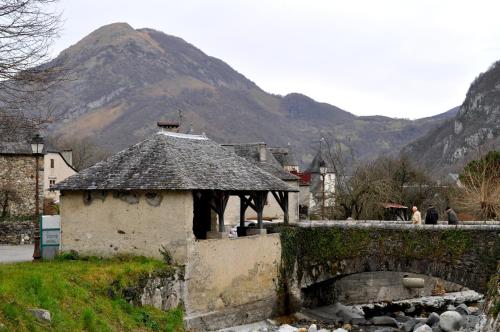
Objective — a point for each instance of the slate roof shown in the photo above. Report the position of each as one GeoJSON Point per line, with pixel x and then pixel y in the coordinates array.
{"type": "Point", "coordinates": [18, 147]}
{"type": "Point", "coordinates": [251, 152]}
{"type": "Point", "coordinates": [23, 147]}
{"type": "Point", "coordinates": [284, 156]}
{"type": "Point", "coordinates": [170, 161]}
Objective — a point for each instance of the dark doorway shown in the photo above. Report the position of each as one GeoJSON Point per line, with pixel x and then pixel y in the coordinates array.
{"type": "Point", "coordinates": [201, 215]}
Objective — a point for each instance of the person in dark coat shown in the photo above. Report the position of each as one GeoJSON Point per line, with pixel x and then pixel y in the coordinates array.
{"type": "Point", "coordinates": [431, 216]}
{"type": "Point", "coordinates": [452, 216]}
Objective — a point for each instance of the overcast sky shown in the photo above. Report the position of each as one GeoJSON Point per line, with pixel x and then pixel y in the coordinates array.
{"type": "Point", "coordinates": [406, 59]}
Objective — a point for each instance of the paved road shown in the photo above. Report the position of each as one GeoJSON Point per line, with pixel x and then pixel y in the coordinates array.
{"type": "Point", "coordinates": [21, 253]}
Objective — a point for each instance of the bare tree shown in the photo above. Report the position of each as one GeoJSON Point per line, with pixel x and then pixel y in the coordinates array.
{"type": "Point", "coordinates": [480, 192]}
{"type": "Point", "coordinates": [27, 29]}
{"type": "Point", "coordinates": [86, 151]}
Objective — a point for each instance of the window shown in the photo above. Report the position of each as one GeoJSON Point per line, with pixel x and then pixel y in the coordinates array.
{"type": "Point", "coordinates": [51, 163]}
{"type": "Point", "coordinates": [52, 182]}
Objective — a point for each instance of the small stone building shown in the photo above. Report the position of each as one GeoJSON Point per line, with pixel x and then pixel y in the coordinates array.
{"type": "Point", "coordinates": [169, 193]}
{"type": "Point", "coordinates": [162, 192]}
{"type": "Point", "coordinates": [263, 157]}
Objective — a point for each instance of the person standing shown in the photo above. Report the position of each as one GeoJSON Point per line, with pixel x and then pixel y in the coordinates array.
{"type": "Point", "coordinates": [416, 218]}
{"type": "Point", "coordinates": [431, 215]}
{"type": "Point", "coordinates": [452, 216]}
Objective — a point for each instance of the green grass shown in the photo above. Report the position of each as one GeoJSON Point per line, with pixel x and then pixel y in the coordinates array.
{"type": "Point", "coordinates": [80, 296]}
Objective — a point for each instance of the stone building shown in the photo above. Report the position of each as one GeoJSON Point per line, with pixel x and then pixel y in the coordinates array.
{"type": "Point", "coordinates": [17, 175]}
{"type": "Point", "coordinates": [17, 179]}
{"type": "Point", "coordinates": [163, 194]}
{"type": "Point", "coordinates": [263, 157]}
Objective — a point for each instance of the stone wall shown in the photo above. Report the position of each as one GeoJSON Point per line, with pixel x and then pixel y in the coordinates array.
{"type": "Point", "coordinates": [231, 281]}
{"type": "Point", "coordinates": [17, 174]}
{"type": "Point", "coordinates": [313, 253]}
{"type": "Point", "coordinates": [137, 223]}
{"type": "Point", "coordinates": [16, 232]}
{"type": "Point", "coordinates": [160, 289]}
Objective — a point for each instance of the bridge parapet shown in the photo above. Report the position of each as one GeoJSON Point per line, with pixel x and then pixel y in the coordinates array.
{"type": "Point", "coordinates": [329, 223]}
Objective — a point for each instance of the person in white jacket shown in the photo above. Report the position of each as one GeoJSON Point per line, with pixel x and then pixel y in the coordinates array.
{"type": "Point", "coordinates": [416, 218]}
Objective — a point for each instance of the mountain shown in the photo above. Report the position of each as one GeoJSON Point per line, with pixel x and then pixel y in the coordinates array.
{"type": "Point", "coordinates": [473, 131]}
{"type": "Point", "coordinates": [121, 81]}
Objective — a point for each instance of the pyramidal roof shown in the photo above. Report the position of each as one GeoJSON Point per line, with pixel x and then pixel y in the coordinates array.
{"type": "Point", "coordinates": [171, 161]}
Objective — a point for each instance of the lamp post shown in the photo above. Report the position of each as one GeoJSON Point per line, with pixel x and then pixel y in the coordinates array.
{"type": "Point", "coordinates": [322, 170]}
{"type": "Point", "coordinates": [37, 148]}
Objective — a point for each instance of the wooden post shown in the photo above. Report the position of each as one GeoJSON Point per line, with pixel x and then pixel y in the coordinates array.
{"type": "Point", "coordinates": [218, 203]}
{"type": "Point", "coordinates": [282, 199]}
{"type": "Point", "coordinates": [259, 204]}
{"type": "Point", "coordinates": [243, 208]}
{"type": "Point", "coordinates": [285, 207]}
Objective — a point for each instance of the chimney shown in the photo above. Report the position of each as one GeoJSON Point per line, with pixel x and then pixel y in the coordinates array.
{"type": "Point", "coordinates": [169, 126]}
{"type": "Point", "coordinates": [68, 156]}
{"type": "Point", "coordinates": [262, 152]}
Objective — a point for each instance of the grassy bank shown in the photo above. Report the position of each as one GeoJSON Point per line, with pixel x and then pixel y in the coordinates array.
{"type": "Point", "coordinates": [77, 294]}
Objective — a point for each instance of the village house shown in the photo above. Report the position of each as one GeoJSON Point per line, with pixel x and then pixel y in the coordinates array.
{"type": "Point", "coordinates": [163, 195]}
{"type": "Point", "coordinates": [263, 157]}
{"type": "Point", "coordinates": [322, 185]}
{"type": "Point", "coordinates": [57, 165]}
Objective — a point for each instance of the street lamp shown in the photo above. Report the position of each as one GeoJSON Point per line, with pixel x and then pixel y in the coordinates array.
{"type": "Point", "coordinates": [37, 149]}
{"type": "Point", "coordinates": [323, 170]}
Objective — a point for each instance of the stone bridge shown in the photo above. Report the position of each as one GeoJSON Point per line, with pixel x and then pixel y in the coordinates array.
{"type": "Point", "coordinates": [316, 252]}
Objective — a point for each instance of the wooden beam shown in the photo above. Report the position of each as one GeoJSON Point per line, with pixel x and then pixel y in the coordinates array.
{"type": "Point", "coordinates": [259, 199]}
{"type": "Point", "coordinates": [243, 208]}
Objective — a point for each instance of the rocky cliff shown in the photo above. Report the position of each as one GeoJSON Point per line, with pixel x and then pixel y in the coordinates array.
{"type": "Point", "coordinates": [472, 132]}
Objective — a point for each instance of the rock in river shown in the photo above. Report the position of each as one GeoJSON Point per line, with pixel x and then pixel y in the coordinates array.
{"type": "Point", "coordinates": [384, 320]}
{"type": "Point", "coordinates": [451, 321]}
{"type": "Point", "coordinates": [423, 328]}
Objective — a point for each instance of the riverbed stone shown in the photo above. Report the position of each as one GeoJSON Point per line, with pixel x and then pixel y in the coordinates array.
{"type": "Point", "coordinates": [423, 328]}
{"type": "Point", "coordinates": [408, 326]}
{"type": "Point", "coordinates": [436, 328]}
{"type": "Point", "coordinates": [463, 309]}
{"type": "Point", "coordinates": [418, 325]}
{"type": "Point", "coordinates": [346, 313]}
{"type": "Point", "coordinates": [451, 321]}
{"type": "Point", "coordinates": [312, 328]}
{"type": "Point", "coordinates": [287, 328]}
{"type": "Point", "coordinates": [432, 319]}
{"type": "Point", "coordinates": [450, 307]}
{"type": "Point", "coordinates": [340, 330]}
{"type": "Point", "coordinates": [384, 320]}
